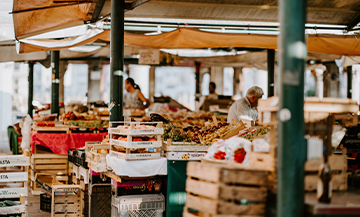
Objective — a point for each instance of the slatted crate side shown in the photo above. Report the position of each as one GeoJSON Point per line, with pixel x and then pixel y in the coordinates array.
{"type": "Point", "coordinates": [214, 207]}
{"type": "Point", "coordinates": [226, 174]}
{"type": "Point", "coordinates": [66, 204]}
{"type": "Point", "coordinates": [14, 160]}
{"type": "Point", "coordinates": [7, 192]}
{"type": "Point", "coordinates": [193, 213]}
{"type": "Point", "coordinates": [339, 182]}
{"type": "Point", "coordinates": [226, 192]}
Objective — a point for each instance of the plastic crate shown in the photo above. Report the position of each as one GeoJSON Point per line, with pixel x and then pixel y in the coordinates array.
{"type": "Point", "coordinates": [136, 187]}
{"type": "Point", "coordinates": [100, 200]}
{"type": "Point", "coordinates": [45, 202]}
{"type": "Point", "coordinates": [97, 178]}
{"type": "Point", "coordinates": [71, 157]}
{"type": "Point", "coordinates": [148, 205]}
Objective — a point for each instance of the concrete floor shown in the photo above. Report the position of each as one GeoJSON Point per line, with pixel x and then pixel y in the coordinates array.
{"type": "Point", "coordinates": [34, 207]}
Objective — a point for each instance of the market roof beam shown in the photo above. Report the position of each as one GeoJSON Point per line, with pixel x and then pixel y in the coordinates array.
{"type": "Point", "coordinates": [353, 23]}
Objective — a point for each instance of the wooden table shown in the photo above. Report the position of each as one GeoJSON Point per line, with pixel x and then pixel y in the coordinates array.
{"type": "Point", "coordinates": [342, 203]}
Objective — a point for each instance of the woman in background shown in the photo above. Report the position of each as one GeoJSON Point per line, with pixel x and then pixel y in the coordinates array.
{"type": "Point", "coordinates": [136, 99]}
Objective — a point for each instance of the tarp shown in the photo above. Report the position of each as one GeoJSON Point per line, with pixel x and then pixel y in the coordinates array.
{"type": "Point", "coordinates": [8, 53]}
{"type": "Point", "coordinates": [194, 38]}
{"type": "Point", "coordinates": [36, 17]}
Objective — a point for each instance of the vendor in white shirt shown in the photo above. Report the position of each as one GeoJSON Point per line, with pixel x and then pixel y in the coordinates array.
{"type": "Point", "coordinates": [212, 93]}
{"type": "Point", "coordinates": [246, 106]}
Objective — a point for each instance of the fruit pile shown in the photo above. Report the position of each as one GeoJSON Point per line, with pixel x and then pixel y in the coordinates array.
{"type": "Point", "coordinates": [208, 133]}
{"type": "Point", "coordinates": [220, 155]}
{"type": "Point", "coordinates": [254, 132]}
{"type": "Point", "coordinates": [239, 155]}
{"type": "Point", "coordinates": [135, 139]}
{"type": "Point", "coordinates": [70, 116]}
{"type": "Point", "coordinates": [45, 124]}
{"type": "Point", "coordinates": [172, 132]}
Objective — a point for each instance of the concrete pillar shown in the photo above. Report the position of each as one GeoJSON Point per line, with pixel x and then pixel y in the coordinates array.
{"type": "Point", "coordinates": [319, 85]}
{"type": "Point", "coordinates": [152, 82]}
{"type": "Point", "coordinates": [94, 81]}
{"type": "Point", "coordinates": [62, 68]}
{"type": "Point", "coordinates": [237, 75]}
{"type": "Point", "coordinates": [217, 76]}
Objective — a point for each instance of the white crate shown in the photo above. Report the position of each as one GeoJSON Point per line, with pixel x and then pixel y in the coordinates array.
{"type": "Point", "coordinates": [130, 144]}
{"type": "Point", "coordinates": [14, 160]}
{"type": "Point", "coordinates": [13, 192]}
{"type": "Point", "coordinates": [14, 177]}
{"type": "Point", "coordinates": [13, 209]}
{"type": "Point", "coordinates": [135, 156]}
{"type": "Point", "coordinates": [130, 128]}
{"type": "Point", "coordinates": [184, 146]}
{"type": "Point", "coordinates": [148, 205]}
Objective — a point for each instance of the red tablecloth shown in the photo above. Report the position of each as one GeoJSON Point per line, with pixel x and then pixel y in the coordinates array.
{"type": "Point", "coordinates": [59, 143]}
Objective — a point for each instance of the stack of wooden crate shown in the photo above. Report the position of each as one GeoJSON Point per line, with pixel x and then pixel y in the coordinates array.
{"type": "Point", "coordinates": [221, 190]}
{"type": "Point", "coordinates": [48, 163]}
{"type": "Point", "coordinates": [65, 201]}
{"type": "Point", "coordinates": [268, 116]}
{"type": "Point", "coordinates": [13, 183]}
{"type": "Point", "coordinates": [338, 166]}
{"type": "Point", "coordinates": [84, 194]}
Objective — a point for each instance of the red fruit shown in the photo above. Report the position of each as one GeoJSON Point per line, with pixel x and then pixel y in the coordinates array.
{"type": "Point", "coordinates": [152, 139]}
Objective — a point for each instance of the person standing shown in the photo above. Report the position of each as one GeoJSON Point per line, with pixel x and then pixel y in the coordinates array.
{"type": "Point", "coordinates": [212, 93]}
{"type": "Point", "coordinates": [136, 99]}
{"type": "Point", "coordinates": [246, 106]}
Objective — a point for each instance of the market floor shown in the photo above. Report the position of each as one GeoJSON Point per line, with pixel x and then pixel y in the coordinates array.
{"type": "Point", "coordinates": [34, 207]}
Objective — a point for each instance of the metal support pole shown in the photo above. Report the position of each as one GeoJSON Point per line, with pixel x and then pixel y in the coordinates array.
{"type": "Point", "coordinates": [197, 77]}
{"type": "Point", "coordinates": [55, 64]}
{"type": "Point", "coordinates": [116, 60]}
{"type": "Point", "coordinates": [291, 142]}
{"type": "Point", "coordinates": [349, 81]}
{"type": "Point", "coordinates": [31, 88]}
{"type": "Point", "coordinates": [271, 71]}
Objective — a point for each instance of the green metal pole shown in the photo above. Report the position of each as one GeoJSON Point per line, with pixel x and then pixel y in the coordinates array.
{"type": "Point", "coordinates": [349, 81]}
{"type": "Point", "coordinates": [31, 88]}
{"type": "Point", "coordinates": [271, 71]}
{"type": "Point", "coordinates": [291, 142]}
{"type": "Point", "coordinates": [55, 62]}
{"type": "Point", "coordinates": [116, 60]}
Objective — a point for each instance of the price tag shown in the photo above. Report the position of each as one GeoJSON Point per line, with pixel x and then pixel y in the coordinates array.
{"type": "Point", "coordinates": [127, 112]}
{"type": "Point", "coordinates": [214, 108]}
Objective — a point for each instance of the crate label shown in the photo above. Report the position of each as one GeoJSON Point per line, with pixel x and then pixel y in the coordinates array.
{"type": "Point", "coordinates": [185, 155]}
{"type": "Point", "coordinates": [12, 192]}
{"type": "Point", "coordinates": [13, 209]}
{"type": "Point", "coordinates": [14, 177]}
{"type": "Point", "coordinates": [14, 161]}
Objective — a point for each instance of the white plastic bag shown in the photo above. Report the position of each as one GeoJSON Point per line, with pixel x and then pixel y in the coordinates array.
{"type": "Point", "coordinates": [261, 145]}
{"type": "Point", "coordinates": [217, 146]}
{"type": "Point", "coordinates": [236, 144]}
{"type": "Point", "coordinates": [26, 133]}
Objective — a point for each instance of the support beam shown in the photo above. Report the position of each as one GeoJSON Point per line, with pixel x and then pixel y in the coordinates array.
{"type": "Point", "coordinates": [237, 75]}
{"type": "Point", "coordinates": [116, 60]}
{"type": "Point", "coordinates": [353, 23]}
{"type": "Point", "coordinates": [55, 62]}
{"type": "Point", "coordinates": [197, 77]}
{"type": "Point", "coordinates": [62, 68]}
{"type": "Point", "coordinates": [349, 81]}
{"type": "Point", "coordinates": [31, 88]}
{"type": "Point", "coordinates": [291, 142]}
{"type": "Point", "coordinates": [152, 82]}
{"type": "Point", "coordinates": [271, 71]}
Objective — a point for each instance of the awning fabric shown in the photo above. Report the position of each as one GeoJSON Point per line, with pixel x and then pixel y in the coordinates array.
{"type": "Point", "coordinates": [36, 17]}
{"type": "Point", "coordinates": [194, 38]}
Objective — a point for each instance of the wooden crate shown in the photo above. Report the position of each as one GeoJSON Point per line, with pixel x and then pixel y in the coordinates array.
{"type": "Point", "coordinates": [65, 201]}
{"type": "Point", "coordinates": [49, 163]}
{"type": "Point", "coordinates": [217, 190]}
{"type": "Point", "coordinates": [14, 182]}
{"type": "Point", "coordinates": [338, 166]}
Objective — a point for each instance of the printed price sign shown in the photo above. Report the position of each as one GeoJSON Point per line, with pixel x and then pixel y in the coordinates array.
{"type": "Point", "coordinates": [214, 108]}
{"type": "Point", "coordinates": [149, 57]}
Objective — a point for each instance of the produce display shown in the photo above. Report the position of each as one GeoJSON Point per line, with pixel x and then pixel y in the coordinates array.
{"type": "Point", "coordinates": [45, 124]}
{"type": "Point", "coordinates": [253, 132]}
{"type": "Point", "coordinates": [7, 203]}
{"type": "Point", "coordinates": [135, 139]}
{"type": "Point", "coordinates": [84, 121]}
{"type": "Point", "coordinates": [171, 131]}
